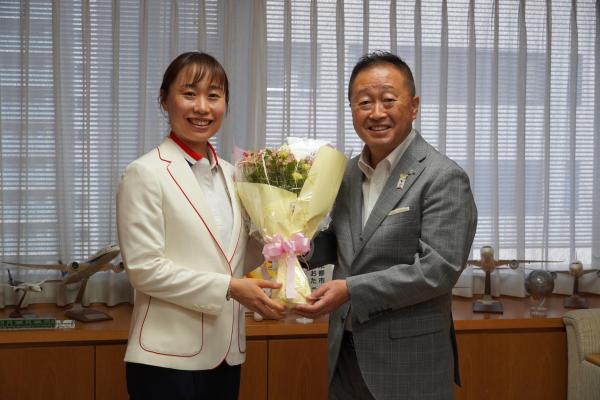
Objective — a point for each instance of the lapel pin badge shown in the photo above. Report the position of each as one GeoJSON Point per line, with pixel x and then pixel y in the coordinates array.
{"type": "Point", "coordinates": [403, 177]}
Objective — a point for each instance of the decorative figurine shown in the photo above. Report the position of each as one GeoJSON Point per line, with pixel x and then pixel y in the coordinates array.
{"type": "Point", "coordinates": [487, 304]}
{"type": "Point", "coordinates": [81, 272]}
{"type": "Point", "coordinates": [24, 287]}
{"type": "Point", "coordinates": [576, 270]}
{"type": "Point", "coordinates": [539, 283]}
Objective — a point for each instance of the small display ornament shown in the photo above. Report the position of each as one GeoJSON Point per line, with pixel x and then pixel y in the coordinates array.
{"type": "Point", "coordinates": [539, 283]}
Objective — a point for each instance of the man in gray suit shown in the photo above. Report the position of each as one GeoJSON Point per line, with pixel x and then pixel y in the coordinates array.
{"type": "Point", "coordinates": [401, 232]}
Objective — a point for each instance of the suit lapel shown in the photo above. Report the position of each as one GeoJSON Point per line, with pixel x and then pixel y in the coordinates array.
{"type": "Point", "coordinates": [237, 216]}
{"type": "Point", "coordinates": [181, 173]}
{"type": "Point", "coordinates": [356, 204]}
{"type": "Point", "coordinates": [410, 166]}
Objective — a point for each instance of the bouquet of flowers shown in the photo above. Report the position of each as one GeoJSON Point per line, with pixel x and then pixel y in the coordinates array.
{"type": "Point", "coordinates": [287, 192]}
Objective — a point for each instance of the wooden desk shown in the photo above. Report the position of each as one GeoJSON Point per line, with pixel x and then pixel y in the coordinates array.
{"type": "Point", "coordinates": [502, 356]}
{"type": "Point", "coordinates": [511, 355]}
{"type": "Point", "coordinates": [87, 362]}
{"type": "Point", "coordinates": [516, 314]}
{"type": "Point", "coordinates": [285, 360]}
{"type": "Point", "coordinates": [80, 363]}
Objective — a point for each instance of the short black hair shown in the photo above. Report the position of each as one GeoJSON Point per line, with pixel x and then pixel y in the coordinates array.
{"type": "Point", "coordinates": [382, 57]}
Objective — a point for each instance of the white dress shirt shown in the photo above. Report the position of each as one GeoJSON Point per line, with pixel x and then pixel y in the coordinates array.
{"type": "Point", "coordinates": [375, 179]}
{"type": "Point", "coordinates": [212, 182]}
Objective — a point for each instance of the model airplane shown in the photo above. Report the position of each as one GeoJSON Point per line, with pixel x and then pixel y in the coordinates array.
{"type": "Point", "coordinates": [78, 271]}
{"type": "Point", "coordinates": [487, 304]}
{"type": "Point", "coordinates": [25, 287]}
{"type": "Point", "coordinates": [576, 270]}
{"type": "Point", "coordinates": [81, 272]}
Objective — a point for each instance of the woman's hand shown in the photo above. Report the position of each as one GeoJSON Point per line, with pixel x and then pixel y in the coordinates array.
{"type": "Point", "coordinates": [249, 293]}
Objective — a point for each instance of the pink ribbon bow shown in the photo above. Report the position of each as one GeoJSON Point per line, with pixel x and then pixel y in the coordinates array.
{"type": "Point", "coordinates": [277, 248]}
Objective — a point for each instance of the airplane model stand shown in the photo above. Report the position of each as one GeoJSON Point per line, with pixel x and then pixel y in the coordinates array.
{"type": "Point", "coordinates": [488, 263]}
{"type": "Point", "coordinates": [487, 305]}
{"type": "Point", "coordinates": [575, 301]}
{"type": "Point", "coordinates": [576, 270]}
{"type": "Point", "coordinates": [80, 313]}
{"type": "Point", "coordinates": [72, 273]}
{"type": "Point", "coordinates": [18, 312]}
{"type": "Point", "coordinates": [85, 314]}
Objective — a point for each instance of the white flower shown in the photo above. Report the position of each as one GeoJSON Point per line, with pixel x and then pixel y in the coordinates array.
{"type": "Point", "coordinates": [303, 147]}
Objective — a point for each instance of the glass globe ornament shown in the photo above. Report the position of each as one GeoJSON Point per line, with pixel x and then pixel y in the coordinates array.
{"type": "Point", "coordinates": [539, 283]}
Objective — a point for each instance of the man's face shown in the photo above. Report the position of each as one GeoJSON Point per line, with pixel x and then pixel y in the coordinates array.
{"type": "Point", "coordinates": [382, 109]}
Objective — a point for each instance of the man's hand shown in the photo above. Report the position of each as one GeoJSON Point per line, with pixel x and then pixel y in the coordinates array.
{"type": "Point", "coordinates": [328, 297]}
{"type": "Point", "coordinates": [249, 293]}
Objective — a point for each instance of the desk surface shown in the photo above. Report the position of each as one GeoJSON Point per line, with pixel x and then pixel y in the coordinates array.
{"type": "Point", "coordinates": [515, 317]}
{"type": "Point", "coordinates": [516, 314]}
{"type": "Point", "coordinates": [117, 329]}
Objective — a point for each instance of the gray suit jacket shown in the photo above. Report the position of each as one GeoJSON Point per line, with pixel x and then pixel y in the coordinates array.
{"type": "Point", "coordinates": [400, 270]}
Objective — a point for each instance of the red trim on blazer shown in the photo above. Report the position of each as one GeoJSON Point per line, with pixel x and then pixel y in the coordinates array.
{"type": "Point", "coordinates": [228, 260]}
{"type": "Point", "coordinates": [230, 337]}
{"type": "Point", "coordinates": [189, 150]}
{"type": "Point", "coordinates": [198, 213]}
{"type": "Point", "coordinates": [240, 321]}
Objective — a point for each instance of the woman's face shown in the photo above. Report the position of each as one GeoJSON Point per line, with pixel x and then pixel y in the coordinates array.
{"type": "Point", "coordinates": [195, 110]}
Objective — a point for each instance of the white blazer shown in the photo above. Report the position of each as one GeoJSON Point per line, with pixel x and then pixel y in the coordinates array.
{"type": "Point", "coordinates": [177, 265]}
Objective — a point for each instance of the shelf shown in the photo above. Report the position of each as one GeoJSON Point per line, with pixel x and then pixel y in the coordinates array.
{"type": "Point", "coordinates": [515, 317]}
{"type": "Point", "coordinates": [516, 314]}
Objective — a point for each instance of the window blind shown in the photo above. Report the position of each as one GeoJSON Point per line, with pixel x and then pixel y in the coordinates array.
{"type": "Point", "coordinates": [507, 90]}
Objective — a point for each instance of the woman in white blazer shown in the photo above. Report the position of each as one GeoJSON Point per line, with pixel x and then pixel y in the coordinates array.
{"type": "Point", "coordinates": [183, 242]}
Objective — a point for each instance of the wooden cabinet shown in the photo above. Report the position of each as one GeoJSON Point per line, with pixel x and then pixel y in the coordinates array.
{"type": "Point", "coordinates": [507, 356]}
{"type": "Point", "coordinates": [110, 372]}
{"type": "Point", "coordinates": [254, 381]}
{"type": "Point", "coordinates": [87, 362]}
{"type": "Point", "coordinates": [513, 365]}
{"type": "Point", "coordinates": [47, 372]}
{"type": "Point", "coordinates": [511, 355]}
{"type": "Point", "coordinates": [298, 369]}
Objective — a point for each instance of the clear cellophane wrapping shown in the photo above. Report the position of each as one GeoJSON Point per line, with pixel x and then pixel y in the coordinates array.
{"type": "Point", "coordinates": [287, 197]}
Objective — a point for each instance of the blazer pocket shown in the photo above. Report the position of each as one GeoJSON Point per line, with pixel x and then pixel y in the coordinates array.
{"type": "Point", "coordinates": [398, 216]}
{"type": "Point", "coordinates": [415, 326]}
{"type": "Point", "coordinates": [399, 210]}
{"type": "Point", "coordinates": [172, 330]}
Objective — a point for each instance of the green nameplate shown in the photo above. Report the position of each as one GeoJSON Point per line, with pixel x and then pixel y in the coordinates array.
{"type": "Point", "coordinates": [34, 323]}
